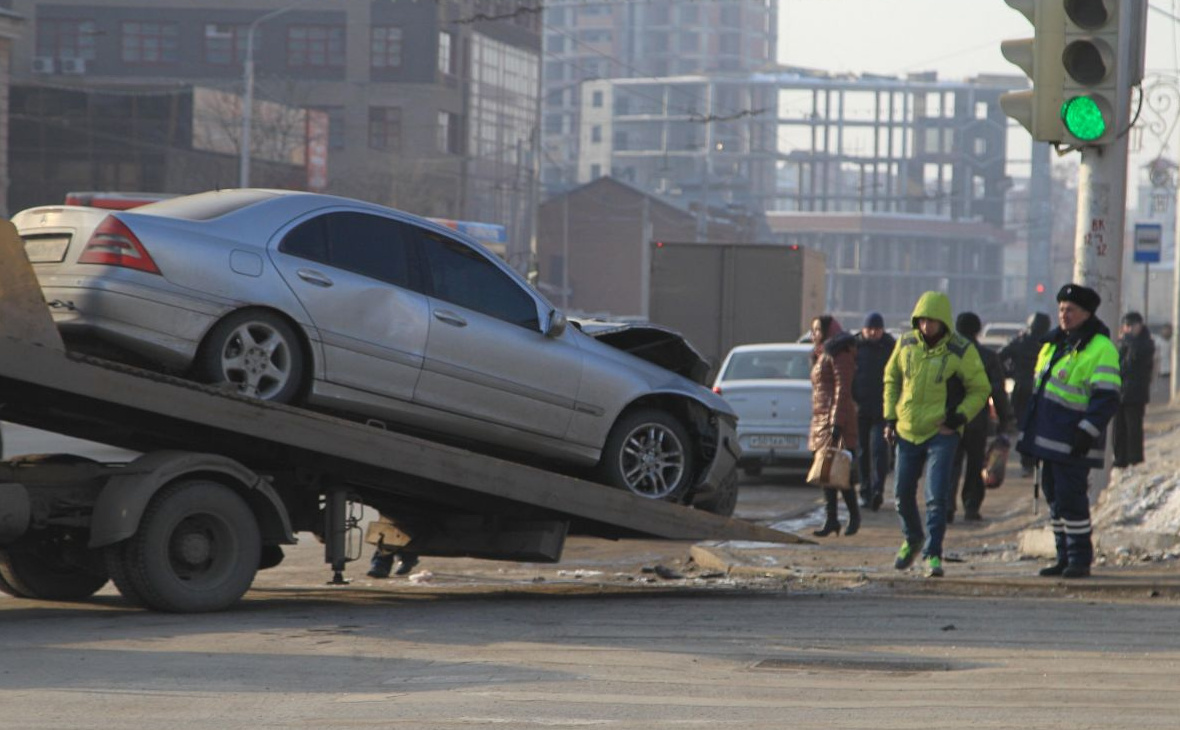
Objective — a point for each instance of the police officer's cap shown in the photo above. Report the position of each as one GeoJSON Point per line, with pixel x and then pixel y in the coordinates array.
{"type": "Point", "coordinates": [1084, 297]}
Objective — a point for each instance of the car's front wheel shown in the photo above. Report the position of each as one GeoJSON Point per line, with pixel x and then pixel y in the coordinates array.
{"type": "Point", "coordinates": [649, 454]}
{"type": "Point", "coordinates": [256, 352]}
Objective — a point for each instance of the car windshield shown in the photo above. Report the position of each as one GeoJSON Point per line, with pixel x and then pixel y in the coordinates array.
{"type": "Point", "coordinates": [790, 365]}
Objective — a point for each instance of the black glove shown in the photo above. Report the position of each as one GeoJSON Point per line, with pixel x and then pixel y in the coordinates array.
{"type": "Point", "coordinates": [835, 435]}
{"type": "Point", "coordinates": [953, 420]}
{"type": "Point", "coordinates": [1082, 441]}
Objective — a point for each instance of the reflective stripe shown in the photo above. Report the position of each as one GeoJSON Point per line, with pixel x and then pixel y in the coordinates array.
{"type": "Point", "coordinates": [1052, 445]}
{"type": "Point", "coordinates": [1089, 428]}
{"type": "Point", "coordinates": [1106, 369]}
{"type": "Point", "coordinates": [1061, 401]}
{"type": "Point", "coordinates": [1074, 389]}
{"type": "Point", "coordinates": [1058, 526]}
{"type": "Point", "coordinates": [1104, 385]}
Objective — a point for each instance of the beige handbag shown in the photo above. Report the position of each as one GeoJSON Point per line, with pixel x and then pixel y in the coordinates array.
{"type": "Point", "coordinates": [831, 467]}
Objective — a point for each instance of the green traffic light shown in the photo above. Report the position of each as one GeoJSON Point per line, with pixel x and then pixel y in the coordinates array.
{"type": "Point", "coordinates": [1083, 118]}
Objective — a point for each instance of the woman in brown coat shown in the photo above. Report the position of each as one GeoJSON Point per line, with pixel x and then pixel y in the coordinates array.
{"type": "Point", "coordinates": [833, 412]}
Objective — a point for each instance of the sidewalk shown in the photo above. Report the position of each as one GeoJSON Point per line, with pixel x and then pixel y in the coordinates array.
{"type": "Point", "coordinates": [1000, 554]}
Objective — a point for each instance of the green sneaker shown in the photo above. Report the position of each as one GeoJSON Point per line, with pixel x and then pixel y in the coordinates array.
{"type": "Point", "coordinates": [905, 556]}
{"type": "Point", "coordinates": [934, 567]}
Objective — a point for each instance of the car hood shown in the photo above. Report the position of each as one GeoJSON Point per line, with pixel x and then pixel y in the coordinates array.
{"type": "Point", "coordinates": [653, 343]}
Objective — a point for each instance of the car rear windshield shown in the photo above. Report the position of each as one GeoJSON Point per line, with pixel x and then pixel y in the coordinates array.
{"type": "Point", "coordinates": [207, 206]}
{"type": "Point", "coordinates": [767, 364]}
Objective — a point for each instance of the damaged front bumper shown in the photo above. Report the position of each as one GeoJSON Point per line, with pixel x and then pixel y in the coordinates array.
{"type": "Point", "coordinates": [725, 460]}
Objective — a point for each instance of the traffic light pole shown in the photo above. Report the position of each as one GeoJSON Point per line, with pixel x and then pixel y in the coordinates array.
{"type": "Point", "coordinates": [1098, 244]}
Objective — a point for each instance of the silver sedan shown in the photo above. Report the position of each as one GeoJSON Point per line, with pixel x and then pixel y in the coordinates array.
{"type": "Point", "coordinates": [364, 310]}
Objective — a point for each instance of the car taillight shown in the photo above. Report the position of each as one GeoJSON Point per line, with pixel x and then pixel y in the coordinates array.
{"type": "Point", "coordinates": [717, 389]}
{"type": "Point", "coordinates": [113, 244]}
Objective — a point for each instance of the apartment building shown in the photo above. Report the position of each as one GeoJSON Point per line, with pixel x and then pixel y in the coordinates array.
{"type": "Point", "coordinates": [653, 39]}
{"type": "Point", "coordinates": [431, 106]}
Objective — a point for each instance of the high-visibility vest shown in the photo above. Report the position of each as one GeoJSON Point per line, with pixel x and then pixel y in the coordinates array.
{"type": "Point", "coordinates": [1075, 389]}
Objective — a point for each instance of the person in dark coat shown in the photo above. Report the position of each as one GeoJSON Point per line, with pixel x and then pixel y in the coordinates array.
{"type": "Point", "coordinates": [1019, 357]}
{"type": "Point", "coordinates": [973, 445]}
{"type": "Point", "coordinates": [873, 347]}
{"type": "Point", "coordinates": [833, 414]}
{"type": "Point", "coordinates": [1136, 358]}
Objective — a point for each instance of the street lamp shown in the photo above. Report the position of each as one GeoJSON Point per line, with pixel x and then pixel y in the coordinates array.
{"type": "Point", "coordinates": [248, 96]}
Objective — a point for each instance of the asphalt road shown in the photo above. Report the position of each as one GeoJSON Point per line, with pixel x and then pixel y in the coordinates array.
{"type": "Point", "coordinates": [625, 634]}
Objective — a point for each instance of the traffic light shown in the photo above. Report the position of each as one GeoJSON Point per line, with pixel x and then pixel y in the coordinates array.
{"type": "Point", "coordinates": [1040, 57]}
{"type": "Point", "coordinates": [1096, 57]}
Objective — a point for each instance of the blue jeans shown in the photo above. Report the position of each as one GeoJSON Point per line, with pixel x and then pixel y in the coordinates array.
{"type": "Point", "coordinates": [937, 457]}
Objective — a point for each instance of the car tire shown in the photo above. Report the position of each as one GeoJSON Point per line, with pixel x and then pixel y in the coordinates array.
{"type": "Point", "coordinates": [257, 352]}
{"type": "Point", "coordinates": [648, 453]}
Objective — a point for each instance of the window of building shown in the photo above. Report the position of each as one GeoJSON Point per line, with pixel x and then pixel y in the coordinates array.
{"type": "Point", "coordinates": [596, 133]}
{"type": "Point", "coordinates": [315, 46]}
{"type": "Point", "coordinates": [595, 171]}
{"type": "Point", "coordinates": [150, 43]}
{"type": "Point", "coordinates": [225, 44]}
{"type": "Point", "coordinates": [554, 43]}
{"type": "Point", "coordinates": [658, 42]}
{"type": "Point", "coordinates": [554, 123]}
{"type": "Point", "coordinates": [385, 128]}
{"type": "Point", "coordinates": [689, 13]}
{"type": "Point", "coordinates": [731, 16]}
{"type": "Point", "coordinates": [66, 39]}
{"type": "Point", "coordinates": [730, 43]}
{"type": "Point", "coordinates": [690, 42]}
{"type": "Point", "coordinates": [385, 47]}
{"type": "Point", "coordinates": [448, 133]}
{"type": "Point", "coordinates": [335, 126]}
{"type": "Point", "coordinates": [596, 99]}
{"type": "Point", "coordinates": [446, 51]}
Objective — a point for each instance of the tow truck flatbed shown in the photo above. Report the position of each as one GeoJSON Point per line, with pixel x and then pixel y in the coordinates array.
{"type": "Point", "coordinates": [294, 469]}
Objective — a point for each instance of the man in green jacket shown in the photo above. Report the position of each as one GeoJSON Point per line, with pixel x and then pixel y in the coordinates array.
{"type": "Point", "coordinates": [934, 384]}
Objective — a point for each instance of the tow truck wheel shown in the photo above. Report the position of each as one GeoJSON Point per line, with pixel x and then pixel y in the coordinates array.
{"type": "Point", "coordinates": [255, 351]}
{"type": "Point", "coordinates": [197, 548]}
{"type": "Point", "coordinates": [42, 573]}
{"type": "Point", "coordinates": [648, 454]}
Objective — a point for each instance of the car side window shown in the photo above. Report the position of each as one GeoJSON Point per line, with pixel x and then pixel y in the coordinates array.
{"type": "Point", "coordinates": [364, 244]}
{"type": "Point", "coordinates": [308, 240]}
{"type": "Point", "coordinates": [459, 274]}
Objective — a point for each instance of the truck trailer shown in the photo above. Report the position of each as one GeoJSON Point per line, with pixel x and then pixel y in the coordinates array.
{"type": "Point", "coordinates": [720, 295]}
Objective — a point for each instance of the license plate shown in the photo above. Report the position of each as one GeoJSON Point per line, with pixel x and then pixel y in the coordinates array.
{"type": "Point", "coordinates": [47, 249]}
{"type": "Point", "coordinates": [774, 442]}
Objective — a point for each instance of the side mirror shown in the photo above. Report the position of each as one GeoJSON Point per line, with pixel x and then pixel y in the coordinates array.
{"type": "Point", "coordinates": [557, 324]}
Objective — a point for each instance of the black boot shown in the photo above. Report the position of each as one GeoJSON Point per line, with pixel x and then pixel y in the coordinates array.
{"type": "Point", "coordinates": [832, 523]}
{"type": "Point", "coordinates": [1053, 570]}
{"type": "Point", "coordinates": [853, 513]}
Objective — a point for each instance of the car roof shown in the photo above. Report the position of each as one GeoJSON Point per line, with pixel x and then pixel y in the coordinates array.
{"type": "Point", "coordinates": [774, 347]}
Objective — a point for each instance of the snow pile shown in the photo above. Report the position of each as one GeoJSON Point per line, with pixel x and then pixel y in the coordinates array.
{"type": "Point", "coordinates": [1145, 497]}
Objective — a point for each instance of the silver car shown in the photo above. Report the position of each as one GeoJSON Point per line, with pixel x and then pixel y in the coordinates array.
{"type": "Point", "coordinates": [769, 386]}
{"type": "Point", "coordinates": [360, 309]}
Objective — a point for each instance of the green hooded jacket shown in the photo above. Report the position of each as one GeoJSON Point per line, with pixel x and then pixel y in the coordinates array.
{"type": "Point", "coordinates": [926, 386]}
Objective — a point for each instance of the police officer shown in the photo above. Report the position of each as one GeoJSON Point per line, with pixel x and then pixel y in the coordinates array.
{"type": "Point", "coordinates": [1076, 394]}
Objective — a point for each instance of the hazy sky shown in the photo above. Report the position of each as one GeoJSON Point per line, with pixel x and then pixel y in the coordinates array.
{"type": "Point", "coordinates": [958, 38]}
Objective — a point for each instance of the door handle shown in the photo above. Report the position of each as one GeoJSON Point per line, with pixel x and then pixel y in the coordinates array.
{"type": "Point", "coordinates": [443, 315]}
{"type": "Point", "coordinates": [311, 276]}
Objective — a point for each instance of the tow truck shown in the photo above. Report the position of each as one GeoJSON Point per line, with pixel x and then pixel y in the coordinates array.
{"type": "Point", "coordinates": [223, 482]}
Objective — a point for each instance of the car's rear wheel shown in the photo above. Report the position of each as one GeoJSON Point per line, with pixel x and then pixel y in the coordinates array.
{"type": "Point", "coordinates": [649, 454]}
{"type": "Point", "coordinates": [257, 352]}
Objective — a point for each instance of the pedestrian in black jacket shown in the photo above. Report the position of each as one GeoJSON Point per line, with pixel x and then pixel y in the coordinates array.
{"type": "Point", "coordinates": [1019, 357]}
{"type": "Point", "coordinates": [973, 445]}
{"type": "Point", "coordinates": [1136, 358]}
{"type": "Point", "coordinates": [873, 347]}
